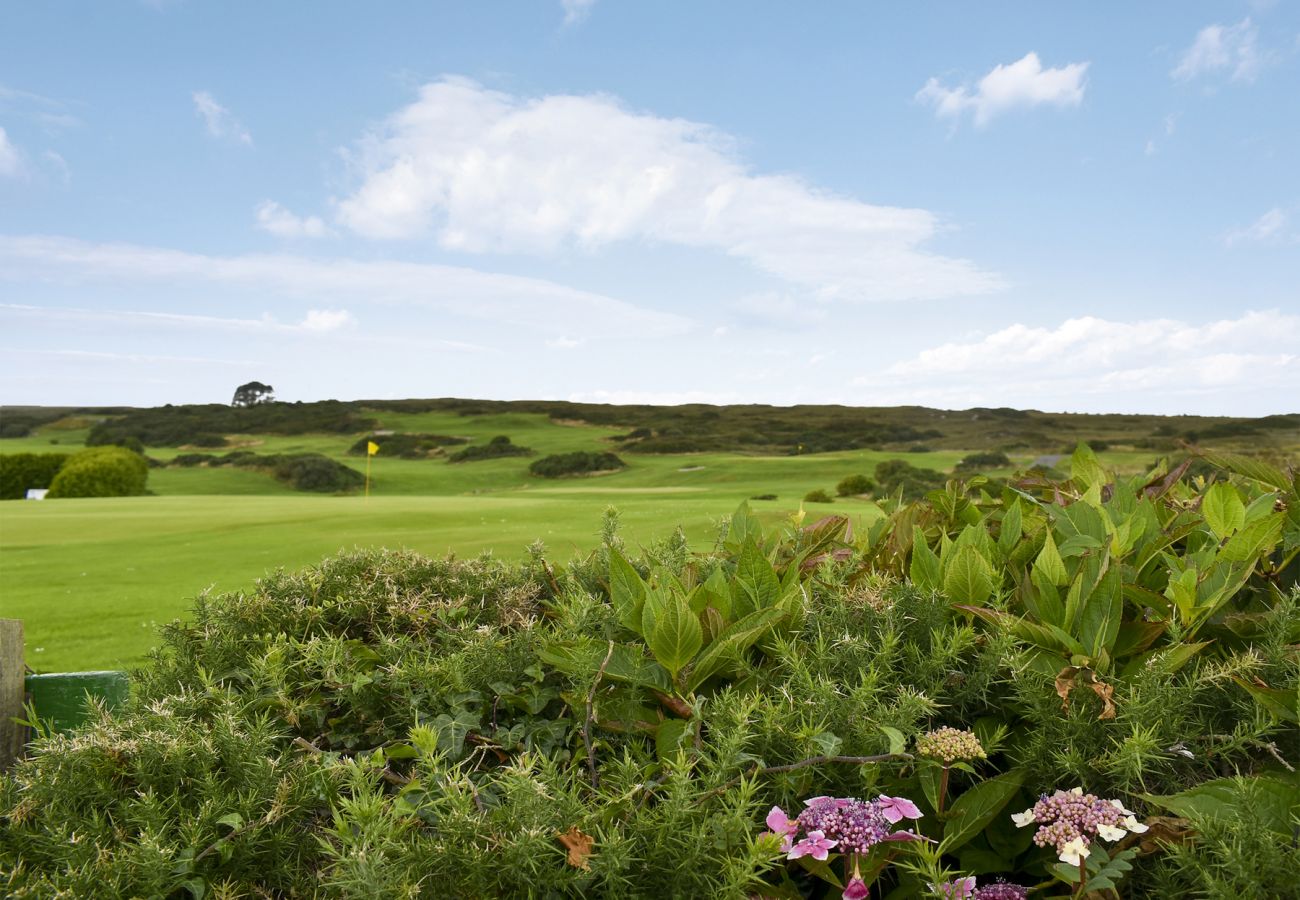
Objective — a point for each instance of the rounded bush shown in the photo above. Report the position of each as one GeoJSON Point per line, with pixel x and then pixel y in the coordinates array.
{"type": "Point", "coordinates": [855, 485]}
{"type": "Point", "coordinates": [101, 472]}
{"type": "Point", "coordinates": [579, 463]}
{"type": "Point", "coordinates": [818, 496]}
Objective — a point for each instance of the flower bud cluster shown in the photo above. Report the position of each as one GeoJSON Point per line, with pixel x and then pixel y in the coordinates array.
{"type": "Point", "coordinates": [950, 745]}
{"type": "Point", "coordinates": [965, 889]}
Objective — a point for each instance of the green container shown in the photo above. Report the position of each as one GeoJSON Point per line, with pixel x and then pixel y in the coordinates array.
{"type": "Point", "coordinates": [60, 698]}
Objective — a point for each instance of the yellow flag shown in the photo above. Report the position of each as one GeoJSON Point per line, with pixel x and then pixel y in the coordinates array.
{"type": "Point", "coordinates": [371, 448]}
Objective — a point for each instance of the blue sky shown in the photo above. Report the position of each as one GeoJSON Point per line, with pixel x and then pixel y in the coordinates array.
{"type": "Point", "coordinates": [948, 204]}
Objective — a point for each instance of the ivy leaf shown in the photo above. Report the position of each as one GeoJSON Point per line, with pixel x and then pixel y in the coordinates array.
{"type": "Point", "coordinates": [897, 741]}
{"type": "Point", "coordinates": [969, 579]}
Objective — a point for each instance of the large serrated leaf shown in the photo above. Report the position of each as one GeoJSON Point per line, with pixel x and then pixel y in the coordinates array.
{"type": "Point", "coordinates": [969, 578]}
{"type": "Point", "coordinates": [626, 592]}
{"type": "Point", "coordinates": [676, 636]}
{"type": "Point", "coordinates": [1223, 510]}
{"type": "Point", "coordinates": [1011, 529]}
{"type": "Point", "coordinates": [1274, 800]}
{"type": "Point", "coordinates": [924, 570]}
{"type": "Point", "coordinates": [1254, 540]}
{"type": "Point", "coordinates": [1251, 468]}
{"type": "Point", "coordinates": [756, 585]}
{"type": "Point", "coordinates": [1085, 469]}
{"type": "Point", "coordinates": [735, 639]}
{"type": "Point", "coordinates": [1050, 564]}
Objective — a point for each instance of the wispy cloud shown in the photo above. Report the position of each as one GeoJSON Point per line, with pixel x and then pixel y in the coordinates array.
{"type": "Point", "coordinates": [275, 219]}
{"type": "Point", "coordinates": [11, 161]}
{"type": "Point", "coordinates": [486, 171]}
{"type": "Point", "coordinates": [576, 11]}
{"type": "Point", "coordinates": [1223, 48]}
{"type": "Point", "coordinates": [220, 122]}
{"type": "Point", "coordinates": [543, 307]}
{"type": "Point", "coordinates": [1271, 227]}
{"type": "Point", "coordinates": [1087, 363]}
{"type": "Point", "coordinates": [1023, 83]}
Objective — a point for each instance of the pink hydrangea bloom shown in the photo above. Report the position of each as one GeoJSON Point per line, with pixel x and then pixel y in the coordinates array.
{"type": "Point", "coordinates": [957, 889]}
{"type": "Point", "coordinates": [896, 809]}
{"type": "Point", "coordinates": [856, 890]}
{"type": "Point", "coordinates": [816, 845]}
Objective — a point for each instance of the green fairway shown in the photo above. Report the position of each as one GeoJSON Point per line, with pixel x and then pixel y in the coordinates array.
{"type": "Point", "coordinates": [92, 578]}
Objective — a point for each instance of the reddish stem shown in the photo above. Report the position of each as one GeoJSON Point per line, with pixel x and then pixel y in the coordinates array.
{"type": "Point", "coordinates": [943, 789]}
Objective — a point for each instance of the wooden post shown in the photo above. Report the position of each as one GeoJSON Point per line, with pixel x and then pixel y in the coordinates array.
{"type": "Point", "coordinates": [12, 673]}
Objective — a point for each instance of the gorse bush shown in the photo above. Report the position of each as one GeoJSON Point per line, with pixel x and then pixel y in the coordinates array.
{"type": "Point", "coordinates": [636, 726]}
{"type": "Point", "coordinates": [101, 472]}
{"type": "Point", "coordinates": [301, 471]}
{"type": "Point", "coordinates": [497, 448]}
{"type": "Point", "coordinates": [855, 485]}
{"type": "Point", "coordinates": [405, 446]}
{"type": "Point", "coordinates": [581, 462]}
{"type": "Point", "coordinates": [21, 471]}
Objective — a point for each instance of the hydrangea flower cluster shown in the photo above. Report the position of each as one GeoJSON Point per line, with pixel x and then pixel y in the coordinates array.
{"type": "Point", "coordinates": [965, 889]}
{"type": "Point", "coordinates": [1070, 820]}
{"type": "Point", "coordinates": [948, 745]}
{"type": "Point", "coordinates": [846, 825]}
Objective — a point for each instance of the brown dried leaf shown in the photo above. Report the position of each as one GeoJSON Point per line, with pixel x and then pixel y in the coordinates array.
{"type": "Point", "coordinates": [1065, 684]}
{"type": "Point", "coordinates": [579, 846]}
{"type": "Point", "coordinates": [1105, 692]}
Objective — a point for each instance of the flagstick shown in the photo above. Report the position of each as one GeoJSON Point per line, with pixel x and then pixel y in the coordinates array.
{"type": "Point", "coordinates": [367, 477]}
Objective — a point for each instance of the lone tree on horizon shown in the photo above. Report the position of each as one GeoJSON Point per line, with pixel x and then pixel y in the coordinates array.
{"type": "Point", "coordinates": [252, 394]}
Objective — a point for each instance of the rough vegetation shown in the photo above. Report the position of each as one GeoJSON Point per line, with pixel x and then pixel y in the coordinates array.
{"type": "Point", "coordinates": [580, 462]}
{"type": "Point", "coordinates": [497, 448]}
{"type": "Point", "coordinates": [301, 471]}
{"type": "Point", "coordinates": [387, 725]}
{"type": "Point", "coordinates": [405, 446]}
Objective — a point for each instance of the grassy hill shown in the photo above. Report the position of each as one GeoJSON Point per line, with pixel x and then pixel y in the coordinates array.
{"type": "Point", "coordinates": [92, 577]}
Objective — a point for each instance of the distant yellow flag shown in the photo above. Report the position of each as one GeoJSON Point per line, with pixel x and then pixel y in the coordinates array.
{"type": "Point", "coordinates": [371, 448]}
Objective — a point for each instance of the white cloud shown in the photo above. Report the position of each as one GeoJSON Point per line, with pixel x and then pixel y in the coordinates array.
{"type": "Point", "coordinates": [544, 307]}
{"type": "Point", "coordinates": [1090, 363]}
{"type": "Point", "coordinates": [1220, 48]}
{"type": "Point", "coordinates": [1268, 228]}
{"type": "Point", "coordinates": [576, 11]}
{"type": "Point", "coordinates": [487, 171]}
{"type": "Point", "coordinates": [11, 161]}
{"type": "Point", "coordinates": [322, 320]}
{"type": "Point", "coordinates": [656, 398]}
{"type": "Point", "coordinates": [219, 121]}
{"type": "Point", "coordinates": [1023, 83]}
{"type": "Point", "coordinates": [277, 220]}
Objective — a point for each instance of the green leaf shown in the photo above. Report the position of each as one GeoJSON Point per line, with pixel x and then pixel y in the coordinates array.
{"type": "Point", "coordinates": [1251, 468]}
{"type": "Point", "coordinates": [929, 773]}
{"type": "Point", "coordinates": [626, 591]}
{"type": "Point", "coordinates": [1280, 703]}
{"type": "Point", "coordinates": [234, 820]}
{"type": "Point", "coordinates": [1255, 540]}
{"type": "Point", "coordinates": [400, 751]}
{"type": "Point", "coordinates": [676, 636]}
{"type": "Point", "coordinates": [756, 585]}
{"type": "Point", "coordinates": [969, 578]}
{"type": "Point", "coordinates": [1102, 612]}
{"type": "Point", "coordinates": [1223, 510]}
{"type": "Point", "coordinates": [924, 571]}
{"type": "Point", "coordinates": [975, 809]}
{"type": "Point", "coordinates": [737, 637]}
{"type": "Point", "coordinates": [1050, 564]}
{"type": "Point", "coordinates": [452, 731]}
{"type": "Point", "coordinates": [1273, 799]}
{"type": "Point", "coordinates": [897, 741]}
{"type": "Point", "coordinates": [1085, 469]}
{"type": "Point", "coordinates": [1012, 526]}
{"type": "Point", "coordinates": [669, 737]}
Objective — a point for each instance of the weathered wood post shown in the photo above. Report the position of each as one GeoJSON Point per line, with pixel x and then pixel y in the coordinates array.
{"type": "Point", "coordinates": [12, 735]}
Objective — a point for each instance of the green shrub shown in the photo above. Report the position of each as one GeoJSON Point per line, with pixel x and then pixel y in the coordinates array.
{"type": "Point", "coordinates": [581, 462]}
{"type": "Point", "coordinates": [314, 472]}
{"type": "Point", "coordinates": [763, 497]}
{"type": "Point", "coordinates": [101, 472]}
{"type": "Point", "coordinates": [818, 496]}
{"type": "Point", "coordinates": [893, 474]}
{"type": "Point", "coordinates": [404, 446]}
{"type": "Point", "coordinates": [854, 485]}
{"type": "Point", "coordinates": [978, 462]}
{"type": "Point", "coordinates": [20, 471]}
{"type": "Point", "coordinates": [497, 448]}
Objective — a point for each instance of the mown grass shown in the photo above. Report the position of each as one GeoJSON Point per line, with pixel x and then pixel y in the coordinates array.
{"type": "Point", "coordinates": [91, 578]}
